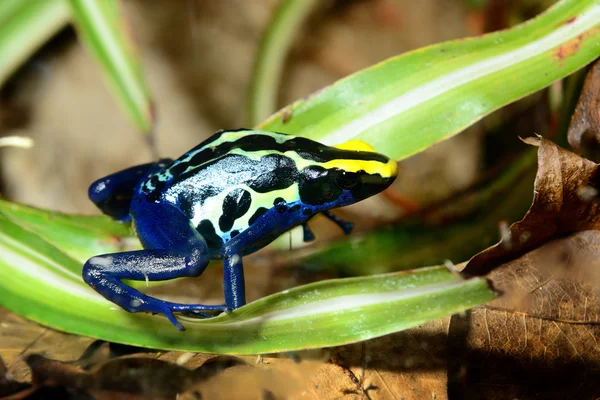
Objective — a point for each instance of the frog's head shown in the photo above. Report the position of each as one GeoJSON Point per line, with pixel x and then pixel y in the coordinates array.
{"type": "Point", "coordinates": [347, 173]}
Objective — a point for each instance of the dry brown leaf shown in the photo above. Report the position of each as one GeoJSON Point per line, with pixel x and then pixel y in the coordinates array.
{"type": "Point", "coordinates": [586, 117]}
{"type": "Point", "coordinates": [565, 201]}
{"type": "Point", "coordinates": [543, 328]}
{"type": "Point", "coordinates": [539, 340]}
{"type": "Point", "coordinates": [407, 365]}
{"type": "Point", "coordinates": [278, 378]}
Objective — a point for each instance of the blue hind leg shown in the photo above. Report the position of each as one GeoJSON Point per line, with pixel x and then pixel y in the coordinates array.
{"type": "Point", "coordinates": [173, 249]}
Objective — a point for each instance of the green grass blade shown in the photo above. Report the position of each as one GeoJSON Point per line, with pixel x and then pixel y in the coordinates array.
{"type": "Point", "coordinates": [44, 288]}
{"type": "Point", "coordinates": [273, 51]}
{"type": "Point", "coordinates": [79, 236]}
{"type": "Point", "coordinates": [25, 25]}
{"type": "Point", "coordinates": [103, 31]}
{"type": "Point", "coordinates": [40, 278]}
{"type": "Point", "coordinates": [401, 106]}
{"type": "Point", "coordinates": [407, 103]}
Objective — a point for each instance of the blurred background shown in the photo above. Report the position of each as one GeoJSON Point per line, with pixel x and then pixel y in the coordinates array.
{"type": "Point", "coordinates": [198, 57]}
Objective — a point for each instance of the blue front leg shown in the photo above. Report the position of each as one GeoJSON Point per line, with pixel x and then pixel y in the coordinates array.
{"type": "Point", "coordinates": [113, 193]}
{"type": "Point", "coordinates": [173, 249]}
{"type": "Point", "coordinates": [233, 282]}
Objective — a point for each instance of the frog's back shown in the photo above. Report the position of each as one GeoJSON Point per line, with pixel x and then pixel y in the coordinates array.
{"type": "Point", "coordinates": [225, 184]}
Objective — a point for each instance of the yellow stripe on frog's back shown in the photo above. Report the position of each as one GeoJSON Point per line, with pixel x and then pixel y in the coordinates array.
{"type": "Point", "coordinates": [387, 170]}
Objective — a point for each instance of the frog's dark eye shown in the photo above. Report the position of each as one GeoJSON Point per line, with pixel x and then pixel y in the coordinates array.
{"type": "Point", "coordinates": [347, 180]}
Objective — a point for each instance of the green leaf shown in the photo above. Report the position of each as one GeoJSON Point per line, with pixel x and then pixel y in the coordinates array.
{"type": "Point", "coordinates": [401, 106]}
{"type": "Point", "coordinates": [79, 236]}
{"type": "Point", "coordinates": [103, 31]}
{"type": "Point", "coordinates": [25, 25]}
{"type": "Point", "coordinates": [40, 278]}
{"type": "Point", "coordinates": [273, 51]}
{"type": "Point", "coordinates": [407, 103]}
{"type": "Point", "coordinates": [44, 288]}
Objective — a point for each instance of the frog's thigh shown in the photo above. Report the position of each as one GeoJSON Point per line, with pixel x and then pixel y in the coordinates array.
{"type": "Point", "coordinates": [183, 253]}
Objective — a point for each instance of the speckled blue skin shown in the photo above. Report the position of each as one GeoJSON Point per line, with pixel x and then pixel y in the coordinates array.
{"type": "Point", "coordinates": [175, 247]}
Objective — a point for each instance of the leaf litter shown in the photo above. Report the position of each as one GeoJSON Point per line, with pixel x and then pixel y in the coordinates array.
{"type": "Point", "coordinates": [564, 202]}
{"type": "Point", "coordinates": [538, 339]}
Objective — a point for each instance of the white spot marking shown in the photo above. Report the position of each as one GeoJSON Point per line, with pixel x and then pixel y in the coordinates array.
{"type": "Point", "coordinates": [184, 358]}
{"type": "Point", "coordinates": [135, 303]}
{"type": "Point", "coordinates": [105, 261]}
{"type": "Point", "coordinates": [450, 265]}
{"type": "Point", "coordinates": [524, 237]}
{"type": "Point", "coordinates": [505, 235]}
{"type": "Point", "coordinates": [587, 193]}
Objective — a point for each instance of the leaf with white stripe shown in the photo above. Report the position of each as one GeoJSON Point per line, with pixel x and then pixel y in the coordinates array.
{"type": "Point", "coordinates": [79, 236]}
{"type": "Point", "coordinates": [38, 282]}
{"type": "Point", "coordinates": [102, 28]}
{"type": "Point", "coordinates": [25, 25]}
{"type": "Point", "coordinates": [407, 103]}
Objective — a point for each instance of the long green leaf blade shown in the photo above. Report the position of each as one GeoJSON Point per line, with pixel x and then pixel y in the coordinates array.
{"type": "Point", "coordinates": [80, 236]}
{"type": "Point", "coordinates": [102, 29]}
{"type": "Point", "coordinates": [31, 258]}
{"type": "Point", "coordinates": [25, 25]}
{"type": "Point", "coordinates": [44, 288]}
{"type": "Point", "coordinates": [278, 38]}
{"type": "Point", "coordinates": [407, 103]}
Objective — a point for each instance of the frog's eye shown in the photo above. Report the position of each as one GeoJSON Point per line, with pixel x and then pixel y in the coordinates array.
{"type": "Point", "coordinates": [347, 180]}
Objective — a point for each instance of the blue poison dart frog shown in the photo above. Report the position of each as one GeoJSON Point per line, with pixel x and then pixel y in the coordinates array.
{"type": "Point", "coordinates": [227, 197]}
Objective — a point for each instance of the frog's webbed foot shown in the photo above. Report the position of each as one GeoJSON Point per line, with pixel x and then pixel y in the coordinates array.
{"type": "Point", "coordinates": [104, 274]}
{"type": "Point", "coordinates": [344, 225]}
{"type": "Point", "coordinates": [203, 313]}
{"type": "Point", "coordinates": [176, 251]}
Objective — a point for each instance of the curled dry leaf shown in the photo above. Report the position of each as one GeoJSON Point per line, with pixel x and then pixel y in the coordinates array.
{"type": "Point", "coordinates": [586, 117]}
{"type": "Point", "coordinates": [539, 340]}
{"type": "Point", "coordinates": [565, 201]}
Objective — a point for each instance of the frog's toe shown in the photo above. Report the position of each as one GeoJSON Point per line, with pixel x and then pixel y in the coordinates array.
{"type": "Point", "coordinates": [199, 310]}
{"type": "Point", "coordinates": [197, 314]}
{"type": "Point", "coordinates": [174, 321]}
{"type": "Point", "coordinates": [159, 307]}
{"type": "Point", "coordinates": [167, 309]}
